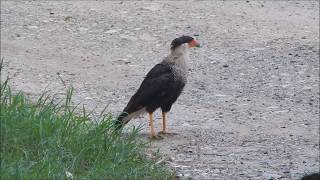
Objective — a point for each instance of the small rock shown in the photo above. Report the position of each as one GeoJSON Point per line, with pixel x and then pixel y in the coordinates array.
{"type": "Point", "coordinates": [33, 27]}
{"type": "Point", "coordinates": [83, 30]}
{"type": "Point", "coordinates": [111, 31]}
{"type": "Point", "coordinates": [271, 176]}
{"type": "Point", "coordinates": [69, 175]}
{"type": "Point", "coordinates": [226, 65]}
{"type": "Point", "coordinates": [304, 37]}
{"type": "Point", "coordinates": [131, 38]}
{"type": "Point", "coordinates": [147, 37]}
{"type": "Point", "coordinates": [152, 7]}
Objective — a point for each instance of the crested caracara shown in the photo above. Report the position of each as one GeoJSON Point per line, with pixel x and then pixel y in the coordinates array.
{"type": "Point", "coordinates": [162, 85]}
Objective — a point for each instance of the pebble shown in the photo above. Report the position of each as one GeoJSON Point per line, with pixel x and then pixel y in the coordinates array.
{"type": "Point", "coordinates": [111, 31]}
{"type": "Point", "coordinates": [83, 30]}
{"type": "Point", "coordinates": [33, 27]}
{"type": "Point", "coordinates": [147, 37]}
{"type": "Point", "coordinates": [271, 176]}
{"type": "Point", "coordinates": [152, 7]}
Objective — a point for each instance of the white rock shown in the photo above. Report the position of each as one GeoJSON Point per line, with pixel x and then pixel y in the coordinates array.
{"type": "Point", "coordinates": [221, 95]}
{"type": "Point", "coordinates": [147, 37]}
{"type": "Point", "coordinates": [153, 7]}
{"type": "Point", "coordinates": [271, 176]}
{"type": "Point", "coordinates": [273, 107]}
{"type": "Point", "coordinates": [132, 38]}
{"type": "Point", "coordinates": [83, 30]}
{"type": "Point", "coordinates": [33, 27]}
{"type": "Point", "coordinates": [111, 31]}
{"type": "Point", "coordinates": [69, 175]}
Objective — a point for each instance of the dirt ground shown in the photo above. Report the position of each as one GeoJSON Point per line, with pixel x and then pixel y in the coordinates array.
{"type": "Point", "coordinates": [250, 109]}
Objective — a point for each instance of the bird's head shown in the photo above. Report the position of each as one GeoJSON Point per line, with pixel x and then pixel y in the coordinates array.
{"type": "Point", "coordinates": [186, 41]}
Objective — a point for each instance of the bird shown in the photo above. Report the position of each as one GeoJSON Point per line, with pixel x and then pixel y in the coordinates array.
{"type": "Point", "coordinates": [314, 176]}
{"type": "Point", "coordinates": [161, 86]}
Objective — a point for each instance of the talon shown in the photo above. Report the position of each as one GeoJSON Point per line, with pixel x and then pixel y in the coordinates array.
{"type": "Point", "coordinates": [163, 132]}
{"type": "Point", "coordinates": [156, 137]}
{"type": "Point", "coordinates": [167, 133]}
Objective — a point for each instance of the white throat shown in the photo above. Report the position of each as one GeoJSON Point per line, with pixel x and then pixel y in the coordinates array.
{"type": "Point", "coordinates": [179, 56]}
{"type": "Point", "coordinates": [181, 50]}
{"type": "Point", "coordinates": [178, 59]}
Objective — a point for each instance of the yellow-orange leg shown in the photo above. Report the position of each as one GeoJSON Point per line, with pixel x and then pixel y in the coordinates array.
{"type": "Point", "coordinates": [164, 122]}
{"type": "Point", "coordinates": [152, 133]}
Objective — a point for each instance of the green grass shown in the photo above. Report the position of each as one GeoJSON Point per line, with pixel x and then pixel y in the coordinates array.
{"type": "Point", "coordinates": [48, 140]}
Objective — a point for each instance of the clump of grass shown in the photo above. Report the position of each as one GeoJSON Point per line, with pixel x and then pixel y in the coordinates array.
{"type": "Point", "coordinates": [67, 18]}
{"type": "Point", "coordinates": [48, 140]}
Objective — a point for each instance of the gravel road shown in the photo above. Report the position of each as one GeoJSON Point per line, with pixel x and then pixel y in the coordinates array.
{"type": "Point", "coordinates": [250, 109]}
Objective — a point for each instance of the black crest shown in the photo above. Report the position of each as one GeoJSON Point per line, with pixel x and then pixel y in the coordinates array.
{"type": "Point", "coordinates": [180, 40]}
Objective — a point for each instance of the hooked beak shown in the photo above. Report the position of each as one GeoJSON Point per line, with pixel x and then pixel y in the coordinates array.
{"type": "Point", "coordinates": [193, 43]}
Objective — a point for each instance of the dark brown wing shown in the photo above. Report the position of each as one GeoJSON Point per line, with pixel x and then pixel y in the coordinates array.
{"type": "Point", "coordinates": [153, 88]}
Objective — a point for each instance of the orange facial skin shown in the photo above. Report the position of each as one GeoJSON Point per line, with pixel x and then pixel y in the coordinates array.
{"type": "Point", "coordinates": [193, 43]}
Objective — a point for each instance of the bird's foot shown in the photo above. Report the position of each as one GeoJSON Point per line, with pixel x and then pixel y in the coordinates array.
{"type": "Point", "coordinates": [167, 133]}
{"type": "Point", "coordinates": [163, 132]}
{"type": "Point", "coordinates": [156, 137]}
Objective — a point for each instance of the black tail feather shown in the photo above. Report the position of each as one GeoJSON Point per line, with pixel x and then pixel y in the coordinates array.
{"type": "Point", "coordinates": [314, 176]}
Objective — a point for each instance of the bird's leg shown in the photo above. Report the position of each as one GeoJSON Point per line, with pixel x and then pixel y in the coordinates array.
{"type": "Point", "coordinates": [164, 122]}
{"type": "Point", "coordinates": [164, 125]}
{"type": "Point", "coordinates": [152, 133]}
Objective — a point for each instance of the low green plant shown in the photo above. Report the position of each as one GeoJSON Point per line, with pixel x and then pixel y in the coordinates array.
{"type": "Point", "coordinates": [49, 140]}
